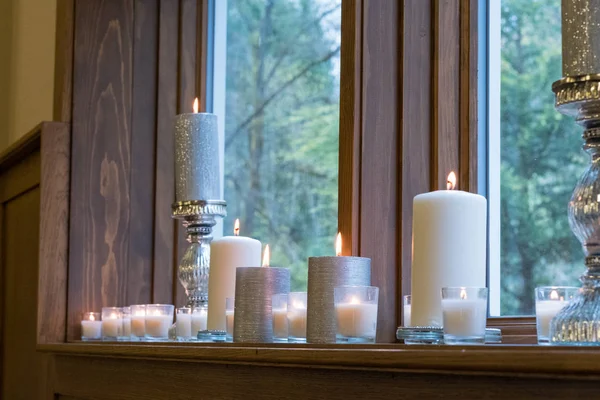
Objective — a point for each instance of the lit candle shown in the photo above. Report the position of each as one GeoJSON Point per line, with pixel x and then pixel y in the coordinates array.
{"type": "Point", "coordinates": [297, 320]}
{"type": "Point", "coordinates": [159, 318]}
{"type": "Point", "coordinates": [356, 320]}
{"type": "Point", "coordinates": [324, 274]}
{"type": "Point", "coordinates": [91, 326]}
{"type": "Point", "coordinates": [229, 315]}
{"type": "Point", "coordinates": [183, 323]}
{"type": "Point", "coordinates": [199, 320]}
{"type": "Point", "coordinates": [112, 326]}
{"type": "Point", "coordinates": [227, 254]}
{"type": "Point", "coordinates": [449, 248]}
{"type": "Point", "coordinates": [464, 317]}
{"type": "Point", "coordinates": [280, 323]}
{"type": "Point", "coordinates": [549, 301]}
{"type": "Point", "coordinates": [138, 320]}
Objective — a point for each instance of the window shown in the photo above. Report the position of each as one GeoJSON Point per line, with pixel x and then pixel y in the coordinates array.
{"type": "Point", "coordinates": [535, 157]}
{"type": "Point", "coordinates": [279, 70]}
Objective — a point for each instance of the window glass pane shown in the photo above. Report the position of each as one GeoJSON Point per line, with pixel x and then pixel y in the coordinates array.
{"type": "Point", "coordinates": [281, 126]}
{"type": "Point", "coordinates": [541, 158]}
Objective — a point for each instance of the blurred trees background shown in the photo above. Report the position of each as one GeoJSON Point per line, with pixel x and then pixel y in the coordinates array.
{"type": "Point", "coordinates": [541, 158]}
{"type": "Point", "coordinates": [281, 126]}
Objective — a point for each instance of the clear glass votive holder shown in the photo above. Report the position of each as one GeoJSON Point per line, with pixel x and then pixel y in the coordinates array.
{"type": "Point", "coordinates": [183, 323]}
{"type": "Point", "coordinates": [159, 318]}
{"type": "Point", "coordinates": [112, 323]}
{"type": "Point", "coordinates": [229, 315]}
{"type": "Point", "coordinates": [356, 313]}
{"type": "Point", "coordinates": [138, 322]}
{"type": "Point", "coordinates": [296, 317]}
{"type": "Point", "coordinates": [549, 300]}
{"type": "Point", "coordinates": [199, 321]}
{"type": "Point", "coordinates": [126, 314]}
{"type": "Point", "coordinates": [407, 309]}
{"type": "Point", "coordinates": [91, 326]}
{"type": "Point", "coordinates": [279, 308]}
{"type": "Point", "coordinates": [464, 311]}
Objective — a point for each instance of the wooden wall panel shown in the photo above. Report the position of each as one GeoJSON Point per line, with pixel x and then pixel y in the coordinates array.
{"type": "Point", "coordinates": [101, 160]}
{"type": "Point", "coordinates": [379, 152]}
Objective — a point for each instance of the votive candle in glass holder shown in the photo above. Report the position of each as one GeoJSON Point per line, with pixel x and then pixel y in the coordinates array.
{"type": "Point", "coordinates": [159, 318]}
{"type": "Point", "coordinates": [126, 314]}
{"type": "Point", "coordinates": [112, 323]}
{"type": "Point", "coordinates": [296, 316]}
{"type": "Point", "coordinates": [549, 300]}
{"type": "Point", "coordinates": [464, 311]}
{"type": "Point", "coordinates": [91, 326]}
{"type": "Point", "coordinates": [183, 323]}
{"type": "Point", "coordinates": [138, 321]}
{"type": "Point", "coordinates": [279, 308]}
{"type": "Point", "coordinates": [406, 301]}
{"type": "Point", "coordinates": [356, 313]}
{"type": "Point", "coordinates": [229, 317]}
{"type": "Point", "coordinates": [199, 320]}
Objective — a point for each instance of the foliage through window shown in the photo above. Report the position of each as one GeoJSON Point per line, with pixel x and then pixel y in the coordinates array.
{"type": "Point", "coordinates": [541, 158]}
{"type": "Point", "coordinates": [281, 126]}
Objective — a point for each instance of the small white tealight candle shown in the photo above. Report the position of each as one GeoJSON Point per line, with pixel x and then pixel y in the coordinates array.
{"type": "Point", "coordinates": [112, 326]}
{"type": "Point", "coordinates": [464, 314]}
{"type": "Point", "coordinates": [549, 301]}
{"type": "Point", "coordinates": [157, 326]}
{"type": "Point", "coordinates": [356, 319]}
{"type": "Point", "coordinates": [199, 320]}
{"type": "Point", "coordinates": [297, 316]}
{"type": "Point", "coordinates": [91, 326]}
{"type": "Point", "coordinates": [280, 323]}
{"type": "Point", "coordinates": [229, 317]}
{"type": "Point", "coordinates": [138, 321]}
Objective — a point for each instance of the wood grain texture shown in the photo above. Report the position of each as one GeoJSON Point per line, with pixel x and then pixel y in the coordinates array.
{"type": "Point", "coordinates": [379, 177]}
{"type": "Point", "coordinates": [416, 124]}
{"type": "Point", "coordinates": [468, 95]}
{"type": "Point", "coordinates": [350, 126]}
{"type": "Point", "coordinates": [100, 187]}
{"type": "Point", "coordinates": [54, 232]}
{"type": "Point", "coordinates": [445, 99]}
{"type": "Point", "coordinates": [164, 226]}
{"type": "Point", "coordinates": [144, 379]}
{"type": "Point", "coordinates": [143, 131]}
{"type": "Point", "coordinates": [63, 60]}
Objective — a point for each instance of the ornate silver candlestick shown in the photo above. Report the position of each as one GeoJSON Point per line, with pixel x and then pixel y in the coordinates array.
{"type": "Point", "coordinates": [578, 95]}
{"type": "Point", "coordinates": [198, 188]}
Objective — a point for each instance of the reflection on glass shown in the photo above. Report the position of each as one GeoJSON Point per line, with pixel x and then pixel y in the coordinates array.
{"type": "Point", "coordinates": [281, 126]}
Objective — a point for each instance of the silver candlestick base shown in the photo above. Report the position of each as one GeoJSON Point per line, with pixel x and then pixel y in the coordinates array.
{"type": "Point", "coordinates": [198, 217]}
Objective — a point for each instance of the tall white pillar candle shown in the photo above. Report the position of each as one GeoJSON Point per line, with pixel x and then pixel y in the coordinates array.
{"type": "Point", "coordinates": [227, 254]}
{"type": "Point", "coordinates": [449, 249]}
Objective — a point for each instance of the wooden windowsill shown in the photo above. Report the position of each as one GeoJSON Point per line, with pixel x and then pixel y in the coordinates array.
{"type": "Point", "coordinates": [529, 361]}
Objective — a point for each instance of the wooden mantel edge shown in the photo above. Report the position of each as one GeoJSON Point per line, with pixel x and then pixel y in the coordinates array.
{"type": "Point", "coordinates": [516, 361]}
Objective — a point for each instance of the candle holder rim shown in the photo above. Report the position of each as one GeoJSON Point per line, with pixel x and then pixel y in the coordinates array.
{"type": "Point", "coordinates": [338, 257]}
{"type": "Point", "coordinates": [195, 113]}
{"type": "Point", "coordinates": [160, 305]}
{"type": "Point", "coordinates": [557, 287]}
{"type": "Point", "coordinates": [356, 286]}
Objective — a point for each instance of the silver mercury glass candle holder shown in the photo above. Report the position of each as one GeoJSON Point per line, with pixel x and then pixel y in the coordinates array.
{"type": "Point", "coordinates": [197, 198]}
{"type": "Point", "coordinates": [578, 95]}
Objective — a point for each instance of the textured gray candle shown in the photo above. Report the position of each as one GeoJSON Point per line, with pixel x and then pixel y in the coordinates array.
{"type": "Point", "coordinates": [254, 290]}
{"type": "Point", "coordinates": [581, 37]}
{"type": "Point", "coordinates": [197, 174]}
{"type": "Point", "coordinates": [324, 274]}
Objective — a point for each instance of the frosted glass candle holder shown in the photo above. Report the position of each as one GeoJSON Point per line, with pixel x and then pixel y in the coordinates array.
{"type": "Point", "coordinates": [356, 313]}
{"type": "Point", "coordinates": [407, 310]}
{"type": "Point", "coordinates": [138, 322]}
{"type": "Point", "coordinates": [549, 300]}
{"type": "Point", "coordinates": [159, 318]}
{"type": "Point", "coordinates": [126, 314]}
{"type": "Point", "coordinates": [464, 311]}
{"type": "Point", "coordinates": [112, 323]}
{"type": "Point", "coordinates": [183, 323]}
{"type": "Point", "coordinates": [229, 318]}
{"type": "Point", "coordinates": [199, 320]}
{"type": "Point", "coordinates": [296, 317]}
{"type": "Point", "coordinates": [91, 326]}
{"type": "Point", "coordinates": [279, 308]}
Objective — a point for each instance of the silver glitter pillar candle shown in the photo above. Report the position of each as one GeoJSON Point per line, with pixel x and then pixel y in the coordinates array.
{"type": "Point", "coordinates": [197, 174]}
{"type": "Point", "coordinates": [581, 37]}
{"type": "Point", "coordinates": [254, 290]}
{"type": "Point", "coordinates": [324, 274]}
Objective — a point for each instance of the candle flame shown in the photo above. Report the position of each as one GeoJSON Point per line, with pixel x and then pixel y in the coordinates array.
{"type": "Point", "coordinates": [92, 318]}
{"type": "Point", "coordinates": [298, 304]}
{"type": "Point", "coordinates": [354, 300]}
{"type": "Point", "coordinates": [463, 294]}
{"type": "Point", "coordinates": [236, 227]}
{"type": "Point", "coordinates": [338, 244]}
{"type": "Point", "coordinates": [113, 316]}
{"type": "Point", "coordinates": [451, 183]}
{"type": "Point", "coordinates": [195, 107]}
{"type": "Point", "coordinates": [554, 295]}
{"type": "Point", "coordinates": [140, 313]}
{"type": "Point", "coordinates": [266, 256]}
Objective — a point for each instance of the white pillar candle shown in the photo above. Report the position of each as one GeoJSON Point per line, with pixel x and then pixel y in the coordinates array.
{"type": "Point", "coordinates": [229, 314]}
{"type": "Point", "coordinates": [280, 323]}
{"type": "Point", "coordinates": [138, 325]}
{"type": "Point", "coordinates": [297, 322]}
{"type": "Point", "coordinates": [199, 321]}
{"type": "Point", "coordinates": [449, 249]}
{"type": "Point", "coordinates": [112, 327]}
{"type": "Point", "coordinates": [227, 254]}
{"type": "Point", "coordinates": [158, 325]}
{"type": "Point", "coordinates": [464, 317]}
{"type": "Point", "coordinates": [91, 329]}
{"type": "Point", "coordinates": [406, 316]}
{"type": "Point", "coordinates": [356, 319]}
{"type": "Point", "coordinates": [184, 325]}
{"type": "Point", "coordinates": [545, 310]}
{"type": "Point", "coordinates": [127, 326]}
